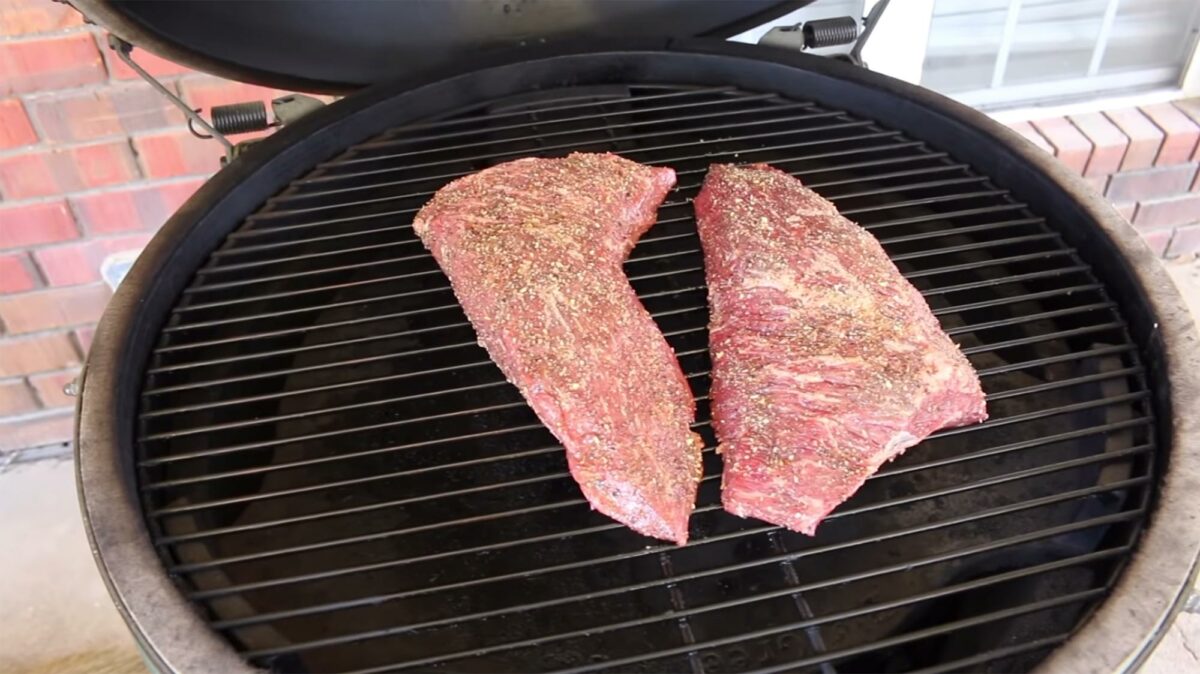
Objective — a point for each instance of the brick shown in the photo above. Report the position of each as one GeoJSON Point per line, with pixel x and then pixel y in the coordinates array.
{"type": "Point", "coordinates": [1158, 240]}
{"type": "Point", "coordinates": [77, 263]}
{"type": "Point", "coordinates": [136, 209]}
{"type": "Point", "coordinates": [26, 17]}
{"type": "Point", "coordinates": [1097, 183]}
{"type": "Point", "coordinates": [101, 165]}
{"type": "Point", "coordinates": [32, 224]}
{"type": "Point", "coordinates": [1109, 144]}
{"type": "Point", "coordinates": [27, 175]}
{"type": "Point", "coordinates": [1071, 147]}
{"type": "Point", "coordinates": [49, 388]}
{"type": "Point", "coordinates": [155, 65]}
{"type": "Point", "coordinates": [38, 353]}
{"type": "Point", "coordinates": [83, 339]}
{"type": "Point", "coordinates": [1186, 240]}
{"type": "Point", "coordinates": [179, 153]}
{"type": "Point", "coordinates": [15, 129]}
{"type": "Point", "coordinates": [1145, 138]}
{"type": "Point", "coordinates": [44, 429]}
{"type": "Point", "coordinates": [1181, 133]}
{"type": "Point", "coordinates": [15, 275]}
{"type": "Point", "coordinates": [16, 398]}
{"type": "Point", "coordinates": [49, 172]}
{"type": "Point", "coordinates": [54, 308]}
{"type": "Point", "coordinates": [1152, 183]}
{"type": "Point", "coordinates": [1168, 212]}
{"type": "Point", "coordinates": [1031, 134]}
{"type": "Point", "coordinates": [1126, 210]}
{"type": "Point", "coordinates": [50, 63]}
{"type": "Point", "coordinates": [1191, 108]}
{"type": "Point", "coordinates": [117, 110]}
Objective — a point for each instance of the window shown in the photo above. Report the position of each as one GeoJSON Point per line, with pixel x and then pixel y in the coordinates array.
{"type": "Point", "coordinates": [997, 53]}
{"type": "Point", "coordinates": [1006, 53]}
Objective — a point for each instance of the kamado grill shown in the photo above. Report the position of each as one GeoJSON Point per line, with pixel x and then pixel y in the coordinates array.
{"type": "Point", "coordinates": [294, 456]}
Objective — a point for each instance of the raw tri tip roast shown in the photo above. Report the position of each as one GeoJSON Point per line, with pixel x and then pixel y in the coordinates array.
{"type": "Point", "coordinates": [827, 363]}
{"type": "Point", "coordinates": [534, 251]}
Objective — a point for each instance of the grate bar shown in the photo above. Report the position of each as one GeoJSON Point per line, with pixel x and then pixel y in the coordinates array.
{"type": "Point", "coordinates": [538, 136]}
{"type": "Point", "coordinates": [262, 496]}
{"type": "Point", "coordinates": [898, 145]}
{"type": "Point", "coordinates": [812, 634]}
{"type": "Point", "coordinates": [1042, 605]}
{"type": "Point", "coordinates": [923, 202]}
{"type": "Point", "coordinates": [242, 233]}
{"type": "Point", "coordinates": [608, 127]}
{"type": "Point", "coordinates": [994, 654]}
{"type": "Point", "coordinates": [1034, 339]}
{"type": "Point", "coordinates": [1048, 360]}
{"type": "Point", "coordinates": [848, 512]}
{"type": "Point", "coordinates": [518, 152]}
{"type": "Point", "coordinates": [1030, 318]}
{"type": "Point", "coordinates": [259, 420]}
{"type": "Point", "coordinates": [1020, 320]}
{"type": "Point", "coordinates": [750, 599]}
{"type": "Point", "coordinates": [1042, 413]}
{"type": "Point", "coordinates": [761, 112]}
{"type": "Point", "coordinates": [240, 250]}
{"type": "Point", "coordinates": [1044, 236]}
{"type": "Point", "coordinates": [887, 470]}
{"type": "Point", "coordinates": [1002, 301]}
{"type": "Point", "coordinates": [768, 560]}
{"type": "Point", "coordinates": [525, 112]}
{"type": "Point", "coordinates": [1043, 274]}
{"type": "Point", "coordinates": [443, 178]}
{"type": "Point", "coordinates": [654, 548]}
{"type": "Point", "coordinates": [396, 138]}
{"type": "Point", "coordinates": [942, 311]}
{"type": "Point", "coordinates": [968, 266]}
{"type": "Point", "coordinates": [181, 456]}
{"type": "Point", "coordinates": [381, 298]}
{"type": "Point", "coordinates": [678, 604]}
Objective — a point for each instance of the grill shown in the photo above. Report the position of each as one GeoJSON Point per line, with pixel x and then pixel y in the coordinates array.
{"type": "Point", "coordinates": [337, 478]}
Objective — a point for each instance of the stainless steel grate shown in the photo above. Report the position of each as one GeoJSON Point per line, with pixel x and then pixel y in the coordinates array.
{"type": "Point", "coordinates": [341, 480]}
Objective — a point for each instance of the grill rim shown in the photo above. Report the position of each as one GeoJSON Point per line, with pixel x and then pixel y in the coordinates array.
{"type": "Point", "coordinates": [1118, 636]}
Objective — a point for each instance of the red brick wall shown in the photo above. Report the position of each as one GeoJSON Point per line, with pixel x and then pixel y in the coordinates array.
{"type": "Point", "coordinates": [92, 161]}
{"type": "Point", "coordinates": [1145, 160]}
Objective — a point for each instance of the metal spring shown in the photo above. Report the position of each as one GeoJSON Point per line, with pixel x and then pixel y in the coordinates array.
{"type": "Point", "coordinates": [830, 32]}
{"type": "Point", "coordinates": [240, 117]}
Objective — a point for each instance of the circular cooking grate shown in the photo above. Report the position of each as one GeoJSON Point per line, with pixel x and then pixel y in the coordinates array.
{"type": "Point", "coordinates": [340, 479]}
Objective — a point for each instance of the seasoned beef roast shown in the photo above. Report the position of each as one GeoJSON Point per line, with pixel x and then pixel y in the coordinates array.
{"type": "Point", "coordinates": [826, 361]}
{"type": "Point", "coordinates": [534, 251]}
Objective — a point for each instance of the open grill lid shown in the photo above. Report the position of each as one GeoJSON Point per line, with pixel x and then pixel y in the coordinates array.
{"type": "Point", "coordinates": [336, 46]}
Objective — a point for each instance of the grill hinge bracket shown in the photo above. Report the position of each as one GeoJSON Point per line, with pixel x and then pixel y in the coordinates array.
{"type": "Point", "coordinates": [124, 51]}
{"type": "Point", "coordinates": [226, 119]}
{"type": "Point", "coordinates": [835, 37]}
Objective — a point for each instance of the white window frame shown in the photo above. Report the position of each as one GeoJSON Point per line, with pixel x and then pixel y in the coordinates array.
{"type": "Point", "coordinates": [897, 48]}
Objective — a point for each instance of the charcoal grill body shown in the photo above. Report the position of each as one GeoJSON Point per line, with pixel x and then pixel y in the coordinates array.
{"type": "Point", "coordinates": [1075, 314]}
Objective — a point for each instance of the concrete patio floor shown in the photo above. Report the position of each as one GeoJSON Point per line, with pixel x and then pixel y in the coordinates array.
{"type": "Point", "coordinates": [59, 619]}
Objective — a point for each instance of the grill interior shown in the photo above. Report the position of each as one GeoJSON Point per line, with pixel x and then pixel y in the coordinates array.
{"type": "Point", "coordinates": [341, 480]}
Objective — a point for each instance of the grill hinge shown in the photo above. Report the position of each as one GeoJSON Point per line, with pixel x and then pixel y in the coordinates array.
{"type": "Point", "coordinates": [836, 37]}
{"type": "Point", "coordinates": [226, 119]}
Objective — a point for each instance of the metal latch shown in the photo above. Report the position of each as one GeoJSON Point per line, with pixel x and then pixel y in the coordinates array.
{"type": "Point", "coordinates": [226, 119]}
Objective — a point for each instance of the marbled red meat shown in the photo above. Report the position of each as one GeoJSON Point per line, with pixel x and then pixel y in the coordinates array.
{"type": "Point", "coordinates": [534, 251]}
{"type": "Point", "coordinates": [827, 363]}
